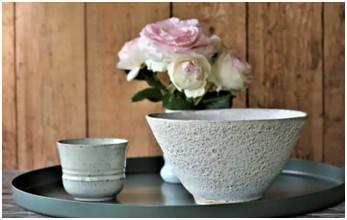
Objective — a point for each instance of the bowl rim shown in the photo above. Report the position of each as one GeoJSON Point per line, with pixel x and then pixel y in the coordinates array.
{"type": "Point", "coordinates": [104, 142]}
{"type": "Point", "coordinates": [159, 115]}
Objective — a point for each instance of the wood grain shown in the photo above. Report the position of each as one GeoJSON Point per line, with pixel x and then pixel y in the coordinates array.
{"type": "Point", "coordinates": [110, 110]}
{"type": "Point", "coordinates": [60, 79]}
{"type": "Point", "coordinates": [334, 83]}
{"type": "Point", "coordinates": [227, 20]}
{"type": "Point", "coordinates": [285, 50]}
{"type": "Point", "coordinates": [9, 135]}
{"type": "Point", "coordinates": [50, 79]}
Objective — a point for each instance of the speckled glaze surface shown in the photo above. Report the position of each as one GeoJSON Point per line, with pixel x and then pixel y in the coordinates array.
{"type": "Point", "coordinates": [230, 155]}
{"type": "Point", "coordinates": [167, 173]}
{"type": "Point", "coordinates": [93, 168]}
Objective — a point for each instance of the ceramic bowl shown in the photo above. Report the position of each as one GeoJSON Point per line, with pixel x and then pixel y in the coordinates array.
{"type": "Point", "coordinates": [93, 168]}
{"type": "Point", "coordinates": [230, 155]}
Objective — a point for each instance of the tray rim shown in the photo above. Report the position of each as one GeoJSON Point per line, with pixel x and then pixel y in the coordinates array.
{"type": "Point", "coordinates": [18, 193]}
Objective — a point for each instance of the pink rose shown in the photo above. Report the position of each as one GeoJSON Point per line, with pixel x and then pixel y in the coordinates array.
{"type": "Point", "coordinates": [162, 41]}
{"type": "Point", "coordinates": [180, 35]}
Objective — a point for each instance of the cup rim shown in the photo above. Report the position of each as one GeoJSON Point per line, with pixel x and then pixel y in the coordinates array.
{"type": "Point", "coordinates": [104, 142]}
{"type": "Point", "coordinates": [176, 116]}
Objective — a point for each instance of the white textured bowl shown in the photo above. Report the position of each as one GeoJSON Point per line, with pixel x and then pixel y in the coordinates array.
{"type": "Point", "coordinates": [230, 155]}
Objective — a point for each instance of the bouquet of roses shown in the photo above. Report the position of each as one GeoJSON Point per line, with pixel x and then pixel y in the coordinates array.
{"type": "Point", "coordinates": [202, 73]}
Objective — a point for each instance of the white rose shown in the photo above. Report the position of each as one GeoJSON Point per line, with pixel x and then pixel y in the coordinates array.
{"type": "Point", "coordinates": [189, 74]}
{"type": "Point", "coordinates": [131, 58]}
{"type": "Point", "coordinates": [157, 66]}
{"type": "Point", "coordinates": [230, 73]}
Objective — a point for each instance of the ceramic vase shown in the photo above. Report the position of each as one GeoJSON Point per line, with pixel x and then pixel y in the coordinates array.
{"type": "Point", "coordinates": [167, 173]}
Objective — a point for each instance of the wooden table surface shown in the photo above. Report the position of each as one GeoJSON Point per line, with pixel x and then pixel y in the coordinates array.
{"type": "Point", "coordinates": [11, 210]}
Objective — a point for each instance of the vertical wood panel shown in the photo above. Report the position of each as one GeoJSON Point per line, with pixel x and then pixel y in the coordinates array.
{"type": "Point", "coordinates": [334, 83]}
{"type": "Point", "coordinates": [285, 50]}
{"type": "Point", "coordinates": [49, 86]}
{"type": "Point", "coordinates": [50, 79]}
{"type": "Point", "coordinates": [228, 20]}
{"type": "Point", "coordinates": [110, 110]}
{"type": "Point", "coordinates": [9, 144]}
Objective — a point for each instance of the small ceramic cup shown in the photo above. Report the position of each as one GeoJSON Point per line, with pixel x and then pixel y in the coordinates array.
{"type": "Point", "coordinates": [93, 168]}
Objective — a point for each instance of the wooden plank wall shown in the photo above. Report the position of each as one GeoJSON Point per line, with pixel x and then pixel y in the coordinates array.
{"type": "Point", "coordinates": [285, 49]}
{"type": "Point", "coordinates": [50, 75]}
{"type": "Point", "coordinates": [9, 130]}
{"type": "Point", "coordinates": [60, 80]}
{"type": "Point", "coordinates": [334, 83]}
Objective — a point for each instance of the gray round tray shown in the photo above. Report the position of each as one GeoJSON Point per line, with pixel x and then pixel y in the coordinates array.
{"type": "Point", "coordinates": [302, 187]}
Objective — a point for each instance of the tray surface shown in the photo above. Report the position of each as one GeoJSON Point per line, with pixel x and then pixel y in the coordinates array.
{"type": "Point", "coordinates": [302, 187]}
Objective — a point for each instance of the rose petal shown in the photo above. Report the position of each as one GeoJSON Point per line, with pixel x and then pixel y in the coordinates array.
{"type": "Point", "coordinates": [133, 73]}
{"type": "Point", "coordinates": [156, 66]}
{"type": "Point", "coordinates": [195, 93]}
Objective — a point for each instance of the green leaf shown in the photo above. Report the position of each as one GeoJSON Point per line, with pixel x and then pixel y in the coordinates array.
{"type": "Point", "coordinates": [150, 77]}
{"type": "Point", "coordinates": [216, 100]}
{"type": "Point", "coordinates": [212, 100]}
{"type": "Point", "coordinates": [142, 73]}
{"type": "Point", "coordinates": [176, 102]}
{"type": "Point", "coordinates": [153, 81]}
{"type": "Point", "coordinates": [171, 88]}
{"type": "Point", "coordinates": [152, 94]}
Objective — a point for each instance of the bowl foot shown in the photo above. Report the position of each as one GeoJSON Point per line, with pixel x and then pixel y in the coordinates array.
{"type": "Point", "coordinates": [94, 199]}
{"type": "Point", "coordinates": [203, 201]}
